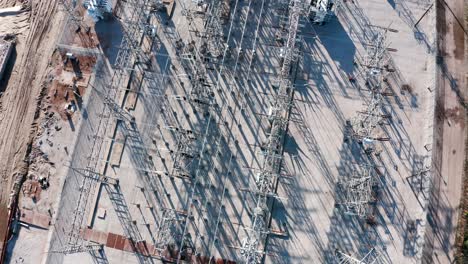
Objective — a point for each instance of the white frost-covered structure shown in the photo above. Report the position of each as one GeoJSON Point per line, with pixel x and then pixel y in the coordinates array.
{"type": "Point", "coordinates": [98, 8]}
{"type": "Point", "coordinates": [320, 10]}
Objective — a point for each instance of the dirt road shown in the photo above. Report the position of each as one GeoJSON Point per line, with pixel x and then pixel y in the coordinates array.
{"type": "Point", "coordinates": [449, 154]}
{"type": "Point", "coordinates": [19, 102]}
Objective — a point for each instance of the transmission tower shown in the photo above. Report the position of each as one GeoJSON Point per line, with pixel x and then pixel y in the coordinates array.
{"type": "Point", "coordinates": [266, 179]}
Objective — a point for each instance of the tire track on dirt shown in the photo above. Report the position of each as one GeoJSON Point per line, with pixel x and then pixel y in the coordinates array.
{"type": "Point", "coordinates": [21, 98]}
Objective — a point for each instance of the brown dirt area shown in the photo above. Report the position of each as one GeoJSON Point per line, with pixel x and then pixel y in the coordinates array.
{"type": "Point", "coordinates": [447, 199]}
{"type": "Point", "coordinates": [456, 115]}
{"type": "Point", "coordinates": [67, 87]}
{"type": "Point", "coordinates": [19, 102]}
{"type": "Point", "coordinates": [32, 189]}
{"type": "Point", "coordinates": [86, 39]}
{"type": "Point", "coordinates": [39, 87]}
{"type": "Point", "coordinates": [462, 233]}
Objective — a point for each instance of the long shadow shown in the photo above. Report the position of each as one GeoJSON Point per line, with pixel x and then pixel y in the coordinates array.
{"type": "Point", "coordinates": [12, 243]}
{"type": "Point", "coordinates": [295, 220]}
{"type": "Point", "coordinates": [340, 46]}
{"type": "Point", "coordinates": [453, 81]}
{"type": "Point", "coordinates": [139, 157]}
{"type": "Point", "coordinates": [8, 70]}
{"type": "Point", "coordinates": [311, 144]}
{"type": "Point", "coordinates": [440, 224]}
{"type": "Point", "coordinates": [405, 13]}
{"type": "Point", "coordinates": [70, 122]}
{"type": "Point", "coordinates": [392, 3]}
{"type": "Point", "coordinates": [99, 256]}
{"type": "Point", "coordinates": [319, 71]}
{"type": "Point", "coordinates": [109, 33]}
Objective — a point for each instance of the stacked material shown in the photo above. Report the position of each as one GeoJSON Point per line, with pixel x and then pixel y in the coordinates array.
{"type": "Point", "coordinates": [5, 52]}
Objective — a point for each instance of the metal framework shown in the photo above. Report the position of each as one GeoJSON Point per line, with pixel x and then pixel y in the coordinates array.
{"type": "Point", "coordinates": [129, 55]}
{"type": "Point", "coordinates": [214, 29]}
{"type": "Point", "coordinates": [164, 236]}
{"type": "Point", "coordinates": [374, 70]}
{"type": "Point", "coordinates": [376, 58]}
{"type": "Point", "coordinates": [365, 124]}
{"type": "Point", "coordinates": [195, 57]}
{"type": "Point", "coordinates": [358, 191]}
{"type": "Point", "coordinates": [266, 179]}
{"type": "Point", "coordinates": [200, 92]}
{"type": "Point", "coordinates": [196, 54]}
{"type": "Point", "coordinates": [194, 61]}
{"type": "Point", "coordinates": [358, 188]}
{"type": "Point", "coordinates": [184, 153]}
{"type": "Point", "coordinates": [372, 257]}
{"type": "Point", "coordinates": [322, 10]}
{"type": "Point", "coordinates": [72, 249]}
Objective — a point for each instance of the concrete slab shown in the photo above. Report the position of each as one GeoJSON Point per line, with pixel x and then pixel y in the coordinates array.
{"type": "Point", "coordinates": [187, 171]}
{"type": "Point", "coordinates": [34, 218]}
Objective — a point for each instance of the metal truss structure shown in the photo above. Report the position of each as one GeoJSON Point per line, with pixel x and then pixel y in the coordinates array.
{"type": "Point", "coordinates": [184, 153]}
{"type": "Point", "coordinates": [376, 59]}
{"type": "Point", "coordinates": [72, 249]}
{"type": "Point", "coordinates": [168, 228]}
{"type": "Point", "coordinates": [365, 124]}
{"type": "Point", "coordinates": [196, 54]}
{"type": "Point", "coordinates": [358, 189]}
{"type": "Point", "coordinates": [214, 14]}
{"type": "Point", "coordinates": [130, 54]}
{"type": "Point", "coordinates": [214, 29]}
{"type": "Point", "coordinates": [172, 227]}
{"type": "Point", "coordinates": [266, 179]}
{"type": "Point", "coordinates": [97, 176]}
{"type": "Point", "coordinates": [201, 93]}
{"type": "Point", "coordinates": [372, 257]}
{"type": "Point", "coordinates": [375, 63]}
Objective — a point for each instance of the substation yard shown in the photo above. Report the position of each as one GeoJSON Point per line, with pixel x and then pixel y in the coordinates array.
{"type": "Point", "coordinates": [243, 132]}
